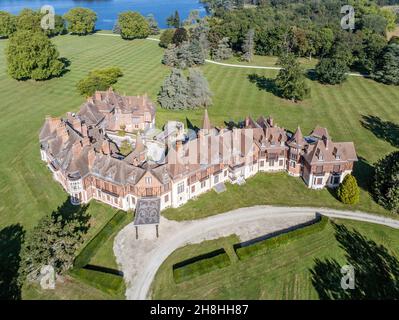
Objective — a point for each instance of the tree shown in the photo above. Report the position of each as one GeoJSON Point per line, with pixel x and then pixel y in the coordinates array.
{"type": "Point", "coordinates": [199, 93]}
{"type": "Point", "coordinates": [174, 91]}
{"type": "Point", "coordinates": [388, 67]}
{"type": "Point", "coordinates": [223, 50]}
{"type": "Point", "coordinates": [248, 46]}
{"type": "Point", "coordinates": [372, 46]}
{"type": "Point", "coordinates": [54, 241]}
{"type": "Point", "coordinates": [385, 186]}
{"type": "Point", "coordinates": [375, 23]}
{"type": "Point", "coordinates": [290, 81]}
{"type": "Point", "coordinates": [7, 24]}
{"type": "Point", "coordinates": [200, 32]}
{"type": "Point", "coordinates": [29, 20]}
{"type": "Point", "coordinates": [133, 25]}
{"type": "Point", "coordinates": [348, 191]}
{"type": "Point", "coordinates": [178, 92]}
{"type": "Point", "coordinates": [125, 148]}
{"type": "Point", "coordinates": [153, 24]}
{"type": "Point", "coordinates": [174, 20]}
{"type": "Point", "coordinates": [180, 36]}
{"type": "Point", "coordinates": [331, 71]}
{"type": "Point", "coordinates": [98, 80]}
{"type": "Point", "coordinates": [193, 18]}
{"type": "Point", "coordinates": [81, 21]}
{"type": "Point", "coordinates": [186, 55]}
{"type": "Point", "coordinates": [31, 55]}
{"type": "Point", "coordinates": [166, 38]}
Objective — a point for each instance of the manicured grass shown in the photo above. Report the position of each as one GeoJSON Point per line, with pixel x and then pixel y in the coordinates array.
{"type": "Point", "coordinates": [262, 247]}
{"type": "Point", "coordinates": [267, 189]}
{"type": "Point", "coordinates": [269, 61]}
{"type": "Point", "coordinates": [27, 190]}
{"type": "Point", "coordinates": [281, 273]}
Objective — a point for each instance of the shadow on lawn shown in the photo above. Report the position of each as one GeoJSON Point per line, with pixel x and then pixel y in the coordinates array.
{"type": "Point", "coordinates": [376, 270]}
{"type": "Point", "coordinates": [263, 83]}
{"type": "Point", "coordinates": [11, 240]}
{"type": "Point", "coordinates": [386, 130]}
{"type": "Point", "coordinates": [363, 172]}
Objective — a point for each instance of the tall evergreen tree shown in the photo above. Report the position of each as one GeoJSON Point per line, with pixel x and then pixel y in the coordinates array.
{"type": "Point", "coordinates": [348, 191]}
{"type": "Point", "coordinates": [248, 46]}
{"type": "Point", "coordinates": [174, 91]}
{"type": "Point", "coordinates": [174, 20]}
{"type": "Point", "coordinates": [290, 81]}
{"type": "Point", "coordinates": [223, 50]}
{"type": "Point", "coordinates": [388, 68]}
{"type": "Point", "coordinates": [385, 187]}
{"type": "Point", "coordinates": [199, 93]}
{"type": "Point", "coordinates": [153, 24]}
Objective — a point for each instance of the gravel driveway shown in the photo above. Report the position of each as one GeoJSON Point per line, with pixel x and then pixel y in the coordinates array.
{"type": "Point", "coordinates": [140, 259]}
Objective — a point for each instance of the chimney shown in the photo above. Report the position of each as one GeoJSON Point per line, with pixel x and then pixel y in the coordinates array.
{"type": "Point", "coordinates": [84, 130]}
{"type": "Point", "coordinates": [62, 133]}
{"type": "Point", "coordinates": [53, 122]}
{"type": "Point", "coordinates": [179, 146]}
{"type": "Point", "coordinates": [85, 141]}
{"type": "Point", "coordinates": [270, 121]}
{"type": "Point", "coordinates": [97, 96]}
{"type": "Point", "coordinates": [76, 124]}
{"type": "Point", "coordinates": [76, 149]}
{"type": "Point", "coordinates": [90, 100]}
{"type": "Point", "coordinates": [105, 148]}
{"type": "Point", "coordinates": [91, 157]}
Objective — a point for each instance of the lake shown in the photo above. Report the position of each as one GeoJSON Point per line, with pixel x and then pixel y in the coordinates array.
{"type": "Point", "coordinates": [108, 10]}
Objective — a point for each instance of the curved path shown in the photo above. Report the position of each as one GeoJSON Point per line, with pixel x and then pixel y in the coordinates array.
{"type": "Point", "coordinates": [236, 65]}
{"type": "Point", "coordinates": [140, 259]}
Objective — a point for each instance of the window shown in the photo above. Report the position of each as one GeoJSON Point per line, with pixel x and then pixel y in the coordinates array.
{"type": "Point", "coordinates": [262, 163]}
{"type": "Point", "coordinates": [216, 179]}
{"type": "Point", "coordinates": [148, 180]}
{"type": "Point", "coordinates": [114, 189]}
{"type": "Point", "coordinates": [193, 189]}
{"type": "Point", "coordinates": [271, 163]}
{"type": "Point", "coordinates": [319, 169]}
{"type": "Point", "coordinates": [166, 198]}
{"type": "Point", "coordinates": [180, 188]}
{"type": "Point", "coordinates": [281, 163]}
{"type": "Point", "coordinates": [293, 156]}
{"type": "Point", "coordinates": [318, 181]}
{"type": "Point", "coordinates": [225, 173]}
{"type": "Point", "coordinates": [116, 200]}
{"type": "Point", "coordinates": [337, 168]}
{"type": "Point", "coordinates": [335, 179]}
{"type": "Point", "coordinates": [203, 184]}
{"type": "Point", "coordinates": [148, 192]}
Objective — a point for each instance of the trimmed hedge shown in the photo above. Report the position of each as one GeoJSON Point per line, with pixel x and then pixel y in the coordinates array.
{"type": "Point", "coordinates": [200, 265]}
{"type": "Point", "coordinates": [106, 282]}
{"type": "Point", "coordinates": [91, 248]}
{"type": "Point", "coordinates": [263, 246]}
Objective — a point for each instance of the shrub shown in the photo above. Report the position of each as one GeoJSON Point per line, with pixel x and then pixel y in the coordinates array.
{"type": "Point", "coordinates": [348, 191]}
{"type": "Point", "coordinates": [200, 265]}
{"type": "Point", "coordinates": [133, 25]}
{"type": "Point", "coordinates": [166, 38]}
{"type": "Point", "coordinates": [331, 71]}
{"type": "Point", "coordinates": [263, 246]}
{"type": "Point", "coordinates": [7, 24]}
{"type": "Point", "coordinates": [81, 21]}
{"type": "Point", "coordinates": [180, 36]}
{"type": "Point", "coordinates": [98, 80]}
{"type": "Point", "coordinates": [385, 186]}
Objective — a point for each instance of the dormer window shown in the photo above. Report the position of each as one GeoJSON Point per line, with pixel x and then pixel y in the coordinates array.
{"type": "Point", "coordinates": [319, 155]}
{"type": "Point", "coordinates": [337, 154]}
{"type": "Point", "coordinates": [148, 180]}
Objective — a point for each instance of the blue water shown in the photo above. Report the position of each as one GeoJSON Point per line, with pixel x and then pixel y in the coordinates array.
{"type": "Point", "coordinates": [108, 10]}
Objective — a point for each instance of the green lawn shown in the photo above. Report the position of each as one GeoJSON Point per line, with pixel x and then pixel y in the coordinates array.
{"type": "Point", "coordinates": [27, 190]}
{"type": "Point", "coordinates": [284, 272]}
